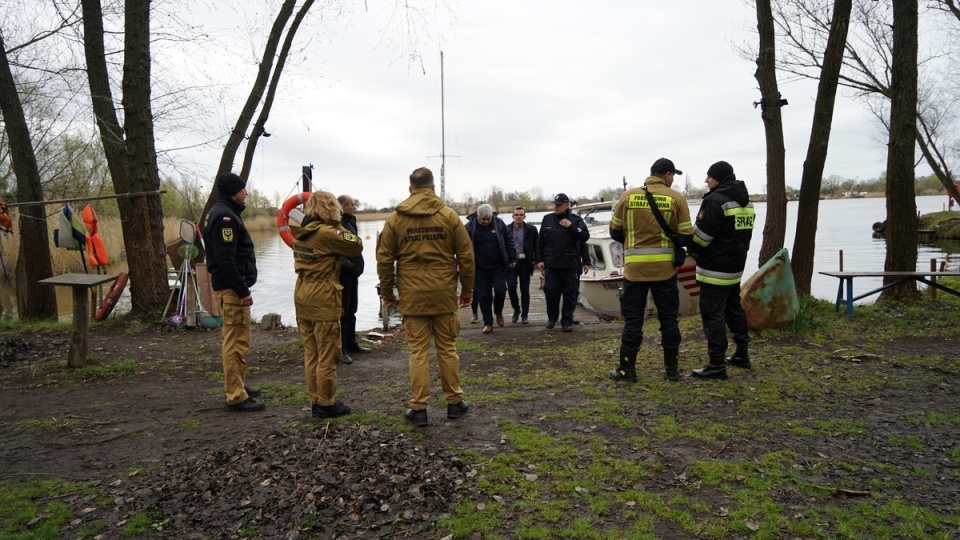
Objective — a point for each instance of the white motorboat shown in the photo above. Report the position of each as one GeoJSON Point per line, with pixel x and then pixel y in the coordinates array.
{"type": "Point", "coordinates": [602, 286]}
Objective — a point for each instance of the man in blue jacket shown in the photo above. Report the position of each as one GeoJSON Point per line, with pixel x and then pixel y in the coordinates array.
{"type": "Point", "coordinates": [560, 258]}
{"type": "Point", "coordinates": [525, 241]}
{"type": "Point", "coordinates": [494, 254]}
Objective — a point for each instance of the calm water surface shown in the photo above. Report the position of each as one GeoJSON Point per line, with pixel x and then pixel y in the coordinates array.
{"type": "Point", "coordinates": [844, 224]}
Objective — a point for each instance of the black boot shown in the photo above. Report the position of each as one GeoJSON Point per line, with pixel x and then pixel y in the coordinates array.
{"type": "Point", "coordinates": [740, 358]}
{"type": "Point", "coordinates": [716, 369]}
{"type": "Point", "coordinates": [671, 364]}
{"type": "Point", "coordinates": [628, 366]}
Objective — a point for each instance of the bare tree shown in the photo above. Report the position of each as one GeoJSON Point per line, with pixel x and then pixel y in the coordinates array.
{"type": "Point", "coordinates": [130, 151]}
{"type": "Point", "coordinates": [236, 137]}
{"type": "Point", "coordinates": [803, 25]}
{"type": "Point", "coordinates": [775, 225]}
{"type": "Point", "coordinates": [804, 243]}
{"type": "Point", "coordinates": [902, 221]}
{"type": "Point", "coordinates": [34, 301]}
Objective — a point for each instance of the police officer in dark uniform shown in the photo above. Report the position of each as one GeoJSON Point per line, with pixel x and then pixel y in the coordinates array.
{"type": "Point", "coordinates": [721, 239]}
{"type": "Point", "coordinates": [560, 257]}
{"type": "Point", "coordinates": [233, 270]}
{"type": "Point", "coordinates": [350, 270]}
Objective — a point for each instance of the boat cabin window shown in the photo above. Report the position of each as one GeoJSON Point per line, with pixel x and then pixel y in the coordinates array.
{"type": "Point", "coordinates": [597, 261]}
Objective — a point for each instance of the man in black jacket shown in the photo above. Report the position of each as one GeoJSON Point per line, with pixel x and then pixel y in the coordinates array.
{"type": "Point", "coordinates": [350, 270]}
{"type": "Point", "coordinates": [525, 241]}
{"type": "Point", "coordinates": [721, 239]}
{"type": "Point", "coordinates": [559, 256]}
{"type": "Point", "coordinates": [233, 270]}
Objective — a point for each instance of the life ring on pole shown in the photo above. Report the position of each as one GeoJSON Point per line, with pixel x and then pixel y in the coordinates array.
{"type": "Point", "coordinates": [283, 216]}
{"type": "Point", "coordinates": [110, 300]}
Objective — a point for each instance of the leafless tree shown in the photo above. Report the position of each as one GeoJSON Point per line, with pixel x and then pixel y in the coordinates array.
{"type": "Point", "coordinates": [902, 221]}
{"type": "Point", "coordinates": [775, 225]}
{"type": "Point", "coordinates": [34, 301]}
{"type": "Point", "coordinates": [804, 243]}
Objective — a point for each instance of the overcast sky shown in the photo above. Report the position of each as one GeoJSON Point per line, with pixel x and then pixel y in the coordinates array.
{"type": "Point", "coordinates": [558, 95]}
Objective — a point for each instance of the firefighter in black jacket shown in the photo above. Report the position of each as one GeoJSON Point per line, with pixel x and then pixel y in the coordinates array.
{"type": "Point", "coordinates": [721, 239]}
{"type": "Point", "coordinates": [560, 257]}
{"type": "Point", "coordinates": [233, 270]}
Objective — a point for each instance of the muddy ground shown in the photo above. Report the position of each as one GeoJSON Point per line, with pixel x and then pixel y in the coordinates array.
{"type": "Point", "coordinates": [154, 434]}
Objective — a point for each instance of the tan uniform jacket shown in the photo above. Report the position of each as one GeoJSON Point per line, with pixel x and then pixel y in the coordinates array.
{"type": "Point", "coordinates": [647, 252]}
{"type": "Point", "coordinates": [422, 237]}
{"type": "Point", "coordinates": [317, 250]}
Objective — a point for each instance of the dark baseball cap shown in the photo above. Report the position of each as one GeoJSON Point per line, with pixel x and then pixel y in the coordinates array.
{"type": "Point", "coordinates": [561, 198]}
{"type": "Point", "coordinates": [663, 166]}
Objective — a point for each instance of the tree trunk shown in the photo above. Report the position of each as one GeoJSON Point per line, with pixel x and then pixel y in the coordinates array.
{"type": "Point", "coordinates": [34, 301]}
{"type": "Point", "coordinates": [131, 160]}
{"type": "Point", "coordinates": [775, 226]}
{"type": "Point", "coordinates": [902, 221]}
{"type": "Point", "coordinates": [253, 99]}
{"type": "Point", "coordinates": [143, 216]}
{"type": "Point", "coordinates": [804, 243]}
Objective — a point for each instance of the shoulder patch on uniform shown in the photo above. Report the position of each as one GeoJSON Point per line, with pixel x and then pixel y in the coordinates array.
{"type": "Point", "coordinates": [700, 214]}
{"type": "Point", "coordinates": [226, 219]}
{"type": "Point", "coordinates": [350, 237]}
{"type": "Point", "coordinates": [227, 234]}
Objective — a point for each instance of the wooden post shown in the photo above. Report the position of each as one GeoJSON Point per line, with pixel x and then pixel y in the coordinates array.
{"type": "Point", "coordinates": [307, 177]}
{"type": "Point", "coordinates": [77, 354]}
{"type": "Point", "coordinates": [933, 290]}
{"type": "Point", "coordinates": [841, 260]}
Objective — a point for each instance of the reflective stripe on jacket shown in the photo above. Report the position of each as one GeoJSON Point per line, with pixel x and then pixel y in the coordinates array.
{"type": "Point", "coordinates": [722, 234]}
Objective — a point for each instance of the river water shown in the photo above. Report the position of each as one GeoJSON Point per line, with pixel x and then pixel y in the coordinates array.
{"type": "Point", "coordinates": [844, 224]}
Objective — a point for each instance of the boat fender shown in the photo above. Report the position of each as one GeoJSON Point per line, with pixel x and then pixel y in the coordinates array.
{"type": "Point", "coordinates": [283, 216]}
{"type": "Point", "coordinates": [110, 300]}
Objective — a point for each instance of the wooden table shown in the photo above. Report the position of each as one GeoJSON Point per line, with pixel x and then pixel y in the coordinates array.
{"type": "Point", "coordinates": [80, 283]}
{"type": "Point", "coordinates": [845, 290]}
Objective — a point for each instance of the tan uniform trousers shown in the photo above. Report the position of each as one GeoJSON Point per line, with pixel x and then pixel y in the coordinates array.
{"type": "Point", "coordinates": [322, 348]}
{"type": "Point", "coordinates": [236, 343]}
{"type": "Point", "coordinates": [444, 329]}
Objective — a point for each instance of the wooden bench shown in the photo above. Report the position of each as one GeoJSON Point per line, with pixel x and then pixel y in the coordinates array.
{"type": "Point", "coordinates": [845, 290]}
{"type": "Point", "coordinates": [80, 283]}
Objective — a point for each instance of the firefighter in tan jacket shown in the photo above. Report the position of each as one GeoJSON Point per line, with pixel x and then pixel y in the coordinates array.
{"type": "Point", "coordinates": [422, 246]}
{"type": "Point", "coordinates": [320, 245]}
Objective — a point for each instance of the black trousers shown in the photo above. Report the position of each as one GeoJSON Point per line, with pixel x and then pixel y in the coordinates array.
{"type": "Point", "coordinates": [633, 303]}
{"type": "Point", "coordinates": [490, 290]}
{"type": "Point", "coordinates": [561, 283]}
{"type": "Point", "coordinates": [720, 309]}
{"type": "Point", "coordinates": [348, 320]}
{"type": "Point", "coordinates": [520, 274]}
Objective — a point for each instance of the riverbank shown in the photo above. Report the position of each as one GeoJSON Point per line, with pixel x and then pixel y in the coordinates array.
{"type": "Point", "coordinates": [848, 428]}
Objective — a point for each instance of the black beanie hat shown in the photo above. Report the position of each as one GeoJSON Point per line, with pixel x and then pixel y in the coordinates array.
{"type": "Point", "coordinates": [230, 184]}
{"type": "Point", "coordinates": [721, 171]}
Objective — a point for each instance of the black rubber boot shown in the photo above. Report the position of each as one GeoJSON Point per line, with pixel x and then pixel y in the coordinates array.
{"type": "Point", "coordinates": [740, 358]}
{"type": "Point", "coordinates": [628, 366]}
{"type": "Point", "coordinates": [716, 369]}
{"type": "Point", "coordinates": [671, 364]}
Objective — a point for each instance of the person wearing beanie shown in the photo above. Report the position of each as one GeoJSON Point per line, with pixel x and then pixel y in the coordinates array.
{"type": "Point", "coordinates": [649, 267]}
{"type": "Point", "coordinates": [721, 239]}
{"type": "Point", "coordinates": [233, 270]}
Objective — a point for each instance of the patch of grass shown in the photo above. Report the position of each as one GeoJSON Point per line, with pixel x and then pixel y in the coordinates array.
{"type": "Point", "coordinates": [281, 393]}
{"type": "Point", "coordinates": [52, 424]}
{"type": "Point", "coordinates": [189, 425]}
{"type": "Point", "coordinates": [115, 368]}
{"type": "Point", "coordinates": [28, 509]}
{"type": "Point", "coordinates": [45, 326]}
{"type": "Point", "coordinates": [141, 522]}
{"type": "Point", "coordinates": [292, 347]}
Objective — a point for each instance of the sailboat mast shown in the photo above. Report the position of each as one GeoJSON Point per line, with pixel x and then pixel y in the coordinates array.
{"type": "Point", "coordinates": [443, 139]}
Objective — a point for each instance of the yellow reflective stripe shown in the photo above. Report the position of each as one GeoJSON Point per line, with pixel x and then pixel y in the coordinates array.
{"type": "Point", "coordinates": [718, 278]}
{"type": "Point", "coordinates": [659, 257]}
{"type": "Point", "coordinates": [616, 222]}
{"type": "Point", "coordinates": [700, 241]}
{"type": "Point", "coordinates": [717, 281]}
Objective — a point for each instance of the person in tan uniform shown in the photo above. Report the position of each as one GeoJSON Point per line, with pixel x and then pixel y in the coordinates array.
{"type": "Point", "coordinates": [320, 243]}
{"type": "Point", "coordinates": [233, 270]}
{"type": "Point", "coordinates": [422, 244]}
{"type": "Point", "coordinates": [649, 265]}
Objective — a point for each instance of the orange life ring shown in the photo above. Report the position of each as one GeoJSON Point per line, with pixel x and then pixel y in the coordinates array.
{"type": "Point", "coordinates": [110, 300]}
{"type": "Point", "coordinates": [283, 216]}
